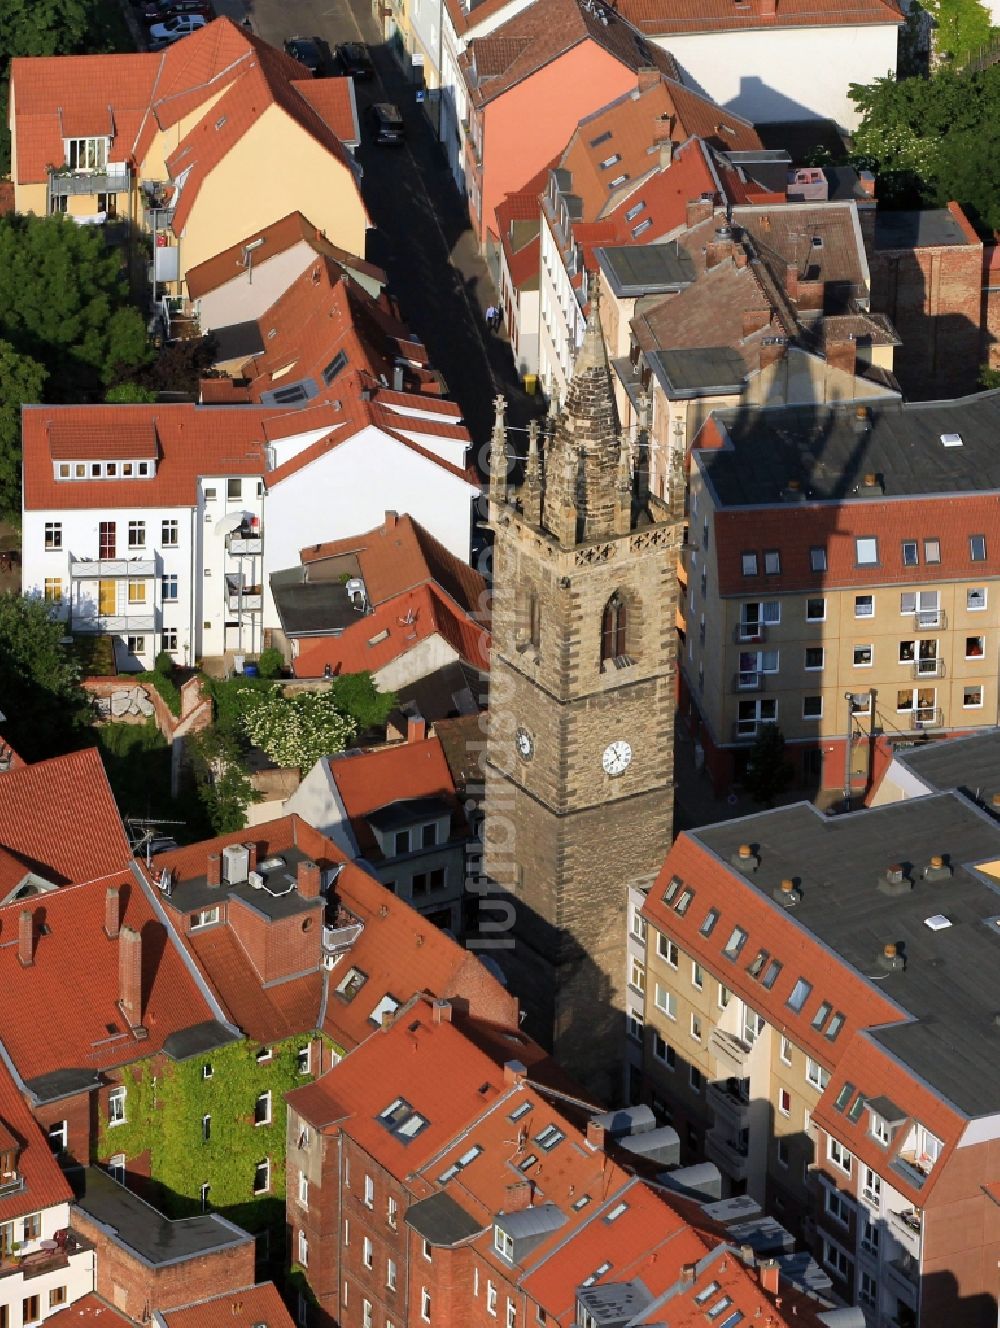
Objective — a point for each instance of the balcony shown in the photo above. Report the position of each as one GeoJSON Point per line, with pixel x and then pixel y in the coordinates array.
{"type": "Point", "coordinates": [730, 1051]}
{"type": "Point", "coordinates": [928, 668]}
{"type": "Point", "coordinates": [728, 1101]}
{"type": "Point", "coordinates": [727, 1154]}
{"type": "Point", "coordinates": [926, 717]}
{"type": "Point", "coordinates": [905, 1228]}
{"type": "Point", "coordinates": [243, 599]}
{"type": "Point", "coordinates": [122, 624]}
{"type": "Point", "coordinates": [108, 569]}
{"type": "Point", "coordinates": [68, 183]}
{"type": "Point", "coordinates": [929, 620]}
{"type": "Point", "coordinates": [244, 544]}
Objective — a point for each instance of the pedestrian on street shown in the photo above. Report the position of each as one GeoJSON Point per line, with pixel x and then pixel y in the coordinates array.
{"type": "Point", "coordinates": [491, 313]}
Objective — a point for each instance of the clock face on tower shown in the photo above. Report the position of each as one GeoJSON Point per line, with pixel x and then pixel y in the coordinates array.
{"type": "Point", "coordinates": [525, 745]}
{"type": "Point", "coordinates": [617, 757]}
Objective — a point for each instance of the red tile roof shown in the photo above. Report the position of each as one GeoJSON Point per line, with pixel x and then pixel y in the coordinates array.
{"type": "Point", "coordinates": [663, 17]}
{"type": "Point", "coordinates": [44, 1182]}
{"type": "Point", "coordinates": [795, 529]}
{"type": "Point", "coordinates": [400, 555]}
{"type": "Point", "coordinates": [248, 1307]}
{"type": "Point", "coordinates": [99, 440]}
{"type": "Point", "coordinates": [396, 627]}
{"type": "Point", "coordinates": [59, 818]}
{"type": "Point", "coordinates": [73, 982]}
{"type": "Point", "coordinates": [369, 780]}
{"type": "Point", "coordinates": [333, 100]}
{"type": "Point", "coordinates": [277, 238]}
{"type": "Point", "coordinates": [90, 1311]}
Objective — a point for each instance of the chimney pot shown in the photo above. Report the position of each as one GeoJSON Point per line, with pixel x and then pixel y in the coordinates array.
{"type": "Point", "coordinates": [870, 479]}
{"type": "Point", "coordinates": [889, 950]}
{"type": "Point", "coordinates": [252, 851]}
{"type": "Point", "coordinates": [112, 912]}
{"type": "Point", "coordinates": [26, 938]}
{"type": "Point", "coordinates": [787, 885]}
{"type": "Point", "coordinates": [937, 860]}
{"type": "Point", "coordinates": [745, 851]}
{"type": "Point", "coordinates": [769, 1276]}
{"type": "Point", "coordinates": [416, 729]}
{"type": "Point", "coordinates": [214, 871]}
{"type": "Point", "coordinates": [308, 879]}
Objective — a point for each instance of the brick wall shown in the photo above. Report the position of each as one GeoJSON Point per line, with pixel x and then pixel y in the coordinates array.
{"type": "Point", "coordinates": [137, 1289]}
{"type": "Point", "coordinates": [281, 947]}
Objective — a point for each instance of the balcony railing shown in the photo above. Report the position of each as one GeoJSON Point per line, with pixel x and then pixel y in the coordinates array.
{"type": "Point", "coordinates": [929, 620]}
{"type": "Point", "coordinates": [905, 1227]}
{"type": "Point", "coordinates": [115, 624]}
{"type": "Point", "coordinates": [251, 600]}
{"type": "Point", "coordinates": [927, 717]}
{"type": "Point", "coordinates": [727, 1154]}
{"type": "Point", "coordinates": [928, 668]}
{"type": "Point", "coordinates": [64, 184]}
{"type": "Point", "coordinates": [243, 546]}
{"type": "Point", "coordinates": [729, 1104]}
{"type": "Point", "coordinates": [731, 1052]}
{"type": "Point", "coordinates": [107, 569]}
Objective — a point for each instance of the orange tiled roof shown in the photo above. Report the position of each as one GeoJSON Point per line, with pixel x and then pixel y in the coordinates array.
{"type": "Point", "coordinates": [277, 238]}
{"type": "Point", "coordinates": [333, 101]}
{"type": "Point", "coordinates": [396, 627]}
{"type": "Point", "coordinates": [661, 18]}
{"type": "Point", "coordinates": [400, 555]}
{"type": "Point", "coordinates": [90, 1310]}
{"type": "Point", "coordinates": [248, 1307]}
{"type": "Point", "coordinates": [73, 982]}
{"type": "Point", "coordinates": [60, 819]}
{"type": "Point", "coordinates": [44, 1182]}
{"type": "Point", "coordinates": [369, 780]}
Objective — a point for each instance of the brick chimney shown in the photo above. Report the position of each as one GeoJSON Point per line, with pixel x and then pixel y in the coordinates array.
{"type": "Point", "coordinates": [416, 728]}
{"type": "Point", "coordinates": [112, 912]}
{"type": "Point", "coordinates": [596, 1135]}
{"type": "Point", "coordinates": [842, 355]}
{"type": "Point", "coordinates": [308, 879]}
{"type": "Point", "coordinates": [130, 974]}
{"type": "Point", "coordinates": [647, 77]}
{"type": "Point", "coordinates": [391, 520]}
{"type": "Point", "coordinates": [689, 1271]}
{"type": "Point", "coordinates": [26, 938]}
{"type": "Point", "coordinates": [810, 295]}
{"type": "Point", "coordinates": [252, 850]}
{"type": "Point", "coordinates": [792, 280]}
{"type": "Point", "coordinates": [700, 209]}
{"type": "Point", "coordinates": [214, 869]}
{"type": "Point", "coordinates": [441, 1012]}
{"type": "Point", "coordinates": [517, 1197]}
{"type": "Point", "coordinates": [768, 1270]}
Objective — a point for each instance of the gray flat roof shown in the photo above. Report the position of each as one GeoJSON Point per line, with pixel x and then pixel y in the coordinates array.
{"type": "Point", "coordinates": [948, 985]}
{"type": "Point", "coordinates": [829, 451]}
{"type": "Point", "coordinates": [138, 1226]}
{"type": "Point", "coordinates": [311, 608]}
{"type": "Point", "coordinates": [441, 1221]}
{"type": "Point", "coordinates": [198, 1039]}
{"type": "Point", "coordinates": [396, 815]}
{"type": "Point", "coordinates": [971, 764]}
{"type": "Point", "coordinates": [62, 1083]}
{"type": "Point", "coordinates": [279, 898]}
{"type": "Point", "coordinates": [926, 228]}
{"type": "Point", "coordinates": [642, 268]}
{"type": "Point", "coordinates": [691, 371]}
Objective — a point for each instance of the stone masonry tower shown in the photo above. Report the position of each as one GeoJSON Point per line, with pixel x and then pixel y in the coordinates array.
{"type": "Point", "coordinates": [579, 779]}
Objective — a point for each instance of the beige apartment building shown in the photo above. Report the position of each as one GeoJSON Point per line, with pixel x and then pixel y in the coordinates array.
{"type": "Point", "coordinates": [819, 1024]}
{"type": "Point", "coordinates": [837, 582]}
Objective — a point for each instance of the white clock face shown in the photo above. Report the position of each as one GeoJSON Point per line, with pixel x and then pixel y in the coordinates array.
{"type": "Point", "coordinates": [617, 757]}
{"type": "Point", "coordinates": [525, 744]}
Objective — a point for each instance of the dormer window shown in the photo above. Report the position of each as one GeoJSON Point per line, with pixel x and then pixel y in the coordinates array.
{"type": "Point", "coordinates": [87, 154]}
{"type": "Point", "coordinates": [503, 1244]}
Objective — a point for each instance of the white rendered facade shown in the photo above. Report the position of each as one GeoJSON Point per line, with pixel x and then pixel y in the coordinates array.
{"type": "Point", "coordinates": [48, 1291]}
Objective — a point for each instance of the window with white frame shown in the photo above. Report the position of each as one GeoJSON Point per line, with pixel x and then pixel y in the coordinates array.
{"type": "Point", "coordinates": [866, 550]}
{"type": "Point", "coordinates": [816, 609]}
{"type": "Point", "coordinates": [366, 1314]}
{"type": "Point", "coordinates": [667, 950]}
{"type": "Point", "coordinates": [367, 1252]}
{"type": "Point", "coordinates": [303, 1189]}
{"type": "Point", "coordinates": [870, 1235]}
{"type": "Point", "coordinates": [814, 658]}
{"type": "Point", "coordinates": [503, 1244]}
{"type": "Point", "coordinates": [390, 1274]}
{"type": "Point", "coordinates": [864, 606]}
{"type": "Point", "coordinates": [697, 975]}
{"type": "Point", "coordinates": [975, 599]}
{"type": "Point", "coordinates": [116, 1106]}
{"type": "Point", "coordinates": [262, 1176]}
{"type": "Point", "coordinates": [53, 535]}
{"type": "Point", "coordinates": [871, 1185]}
{"type": "Point", "coordinates": [87, 154]}
{"type": "Point", "coordinates": [696, 1027]}
{"type": "Point", "coordinates": [784, 1102]}
{"type": "Point", "coordinates": [262, 1109]}
{"type": "Point", "coordinates": [663, 1051]}
{"type": "Point", "coordinates": [839, 1155]}
{"type": "Point", "coordinates": [751, 714]}
{"type": "Point", "coordinates": [637, 975]}
{"type": "Point", "coordinates": [369, 1192]}
{"type": "Point", "coordinates": [303, 1249]}
{"type": "Point", "coordinates": [59, 1136]}
{"type": "Point", "coordinates": [816, 1075]}
{"type": "Point", "coordinates": [205, 917]}
{"type": "Point", "coordinates": [169, 534]}
{"type": "Point", "coordinates": [812, 707]}
{"type": "Point", "coordinates": [391, 1210]}
{"type": "Point", "coordinates": [137, 534]}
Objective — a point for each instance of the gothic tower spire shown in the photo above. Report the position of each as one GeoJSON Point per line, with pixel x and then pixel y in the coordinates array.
{"type": "Point", "coordinates": [498, 453]}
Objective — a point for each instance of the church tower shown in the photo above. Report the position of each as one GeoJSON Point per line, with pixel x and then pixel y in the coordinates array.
{"type": "Point", "coordinates": [579, 778]}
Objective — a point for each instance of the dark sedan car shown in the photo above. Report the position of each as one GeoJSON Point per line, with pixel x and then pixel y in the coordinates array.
{"type": "Point", "coordinates": [153, 11]}
{"type": "Point", "coordinates": [353, 59]}
{"type": "Point", "coordinates": [307, 51]}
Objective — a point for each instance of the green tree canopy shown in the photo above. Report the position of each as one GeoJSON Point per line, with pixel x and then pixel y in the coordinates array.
{"type": "Point", "coordinates": [962, 26]}
{"type": "Point", "coordinates": [40, 692]}
{"type": "Point", "coordinates": [934, 140]}
{"type": "Point", "coordinates": [296, 730]}
{"type": "Point", "coordinates": [21, 379]}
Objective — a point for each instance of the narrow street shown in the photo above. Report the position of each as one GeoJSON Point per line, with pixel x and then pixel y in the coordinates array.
{"type": "Point", "coordinates": [422, 235]}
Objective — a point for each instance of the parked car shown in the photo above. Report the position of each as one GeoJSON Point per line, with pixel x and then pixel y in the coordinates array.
{"type": "Point", "coordinates": [307, 51]}
{"type": "Point", "coordinates": [160, 11]}
{"type": "Point", "coordinates": [181, 25]}
{"type": "Point", "coordinates": [388, 124]}
{"type": "Point", "coordinates": [353, 59]}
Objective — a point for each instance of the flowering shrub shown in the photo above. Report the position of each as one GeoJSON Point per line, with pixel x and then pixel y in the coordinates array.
{"type": "Point", "coordinates": [295, 730]}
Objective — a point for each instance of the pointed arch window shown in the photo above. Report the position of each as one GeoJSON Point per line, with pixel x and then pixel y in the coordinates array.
{"type": "Point", "coordinates": [614, 629]}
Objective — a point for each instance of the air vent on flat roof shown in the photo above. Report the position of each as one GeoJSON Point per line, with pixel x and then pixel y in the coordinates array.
{"type": "Point", "coordinates": [937, 922]}
{"type": "Point", "coordinates": [895, 880]}
{"type": "Point", "coordinates": [890, 959]}
{"type": "Point", "coordinates": [787, 893]}
{"type": "Point", "coordinates": [951, 440]}
{"type": "Point", "coordinates": [938, 869]}
{"type": "Point", "coordinates": [745, 859]}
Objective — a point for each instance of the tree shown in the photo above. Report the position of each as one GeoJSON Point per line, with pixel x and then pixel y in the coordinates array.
{"type": "Point", "coordinates": [223, 786]}
{"type": "Point", "coordinates": [356, 695]}
{"type": "Point", "coordinates": [768, 773]}
{"type": "Point", "coordinates": [21, 381]}
{"type": "Point", "coordinates": [46, 708]}
{"type": "Point", "coordinates": [180, 366]}
{"type": "Point", "coordinates": [988, 377]}
{"type": "Point", "coordinates": [296, 730]}
{"type": "Point", "coordinates": [129, 394]}
{"type": "Point", "coordinates": [962, 26]}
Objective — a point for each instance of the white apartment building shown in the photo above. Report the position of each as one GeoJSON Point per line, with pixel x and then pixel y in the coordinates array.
{"type": "Point", "coordinates": [159, 525]}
